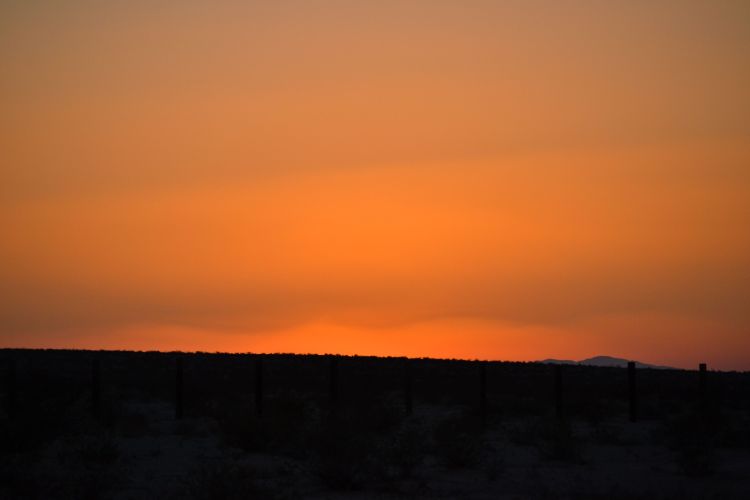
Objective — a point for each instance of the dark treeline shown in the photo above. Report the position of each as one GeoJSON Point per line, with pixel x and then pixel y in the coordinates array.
{"type": "Point", "coordinates": [216, 383]}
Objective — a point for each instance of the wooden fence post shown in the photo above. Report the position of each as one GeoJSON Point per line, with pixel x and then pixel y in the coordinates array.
{"type": "Point", "coordinates": [483, 391]}
{"type": "Point", "coordinates": [96, 388]}
{"type": "Point", "coordinates": [559, 392]}
{"type": "Point", "coordinates": [408, 402]}
{"type": "Point", "coordinates": [259, 386]}
{"type": "Point", "coordinates": [334, 382]}
{"type": "Point", "coordinates": [632, 394]}
{"type": "Point", "coordinates": [178, 407]}
{"type": "Point", "coordinates": [703, 390]}
{"type": "Point", "coordinates": [12, 390]}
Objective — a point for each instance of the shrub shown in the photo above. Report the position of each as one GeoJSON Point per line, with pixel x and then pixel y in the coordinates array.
{"type": "Point", "coordinates": [89, 451]}
{"type": "Point", "coordinates": [133, 424]}
{"type": "Point", "coordinates": [607, 434]}
{"type": "Point", "coordinates": [344, 454]}
{"type": "Point", "coordinates": [286, 426]}
{"type": "Point", "coordinates": [221, 481]}
{"type": "Point", "coordinates": [458, 441]}
{"type": "Point", "coordinates": [86, 467]}
{"type": "Point", "coordinates": [18, 478]}
{"type": "Point", "coordinates": [557, 442]}
{"type": "Point", "coordinates": [692, 443]}
{"type": "Point", "coordinates": [404, 450]}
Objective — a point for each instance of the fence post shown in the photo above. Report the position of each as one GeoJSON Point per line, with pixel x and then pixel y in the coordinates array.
{"type": "Point", "coordinates": [408, 402]}
{"type": "Point", "coordinates": [334, 382]}
{"type": "Point", "coordinates": [559, 392]}
{"type": "Point", "coordinates": [259, 386]}
{"type": "Point", "coordinates": [632, 394]}
{"type": "Point", "coordinates": [178, 407]}
{"type": "Point", "coordinates": [703, 390]}
{"type": "Point", "coordinates": [12, 390]}
{"type": "Point", "coordinates": [483, 391]}
{"type": "Point", "coordinates": [96, 388]}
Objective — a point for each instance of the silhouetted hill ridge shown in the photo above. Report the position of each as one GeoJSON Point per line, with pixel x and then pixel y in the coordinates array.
{"type": "Point", "coordinates": [605, 361]}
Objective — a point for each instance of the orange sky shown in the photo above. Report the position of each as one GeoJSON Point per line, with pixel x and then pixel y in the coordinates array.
{"type": "Point", "coordinates": [495, 180]}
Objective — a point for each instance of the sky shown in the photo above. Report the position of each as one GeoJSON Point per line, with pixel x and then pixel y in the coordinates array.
{"type": "Point", "coordinates": [473, 179]}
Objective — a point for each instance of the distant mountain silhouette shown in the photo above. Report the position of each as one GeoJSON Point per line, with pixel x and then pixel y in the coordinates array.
{"type": "Point", "coordinates": [603, 361]}
{"type": "Point", "coordinates": [559, 361]}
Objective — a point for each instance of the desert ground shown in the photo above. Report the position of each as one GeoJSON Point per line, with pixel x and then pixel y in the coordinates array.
{"type": "Point", "coordinates": [126, 425]}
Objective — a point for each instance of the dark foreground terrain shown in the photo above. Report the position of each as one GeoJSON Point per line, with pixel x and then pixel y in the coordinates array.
{"type": "Point", "coordinates": [132, 425]}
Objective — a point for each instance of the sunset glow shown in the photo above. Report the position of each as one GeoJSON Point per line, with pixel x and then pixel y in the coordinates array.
{"type": "Point", "coordinates": [491, 180]}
